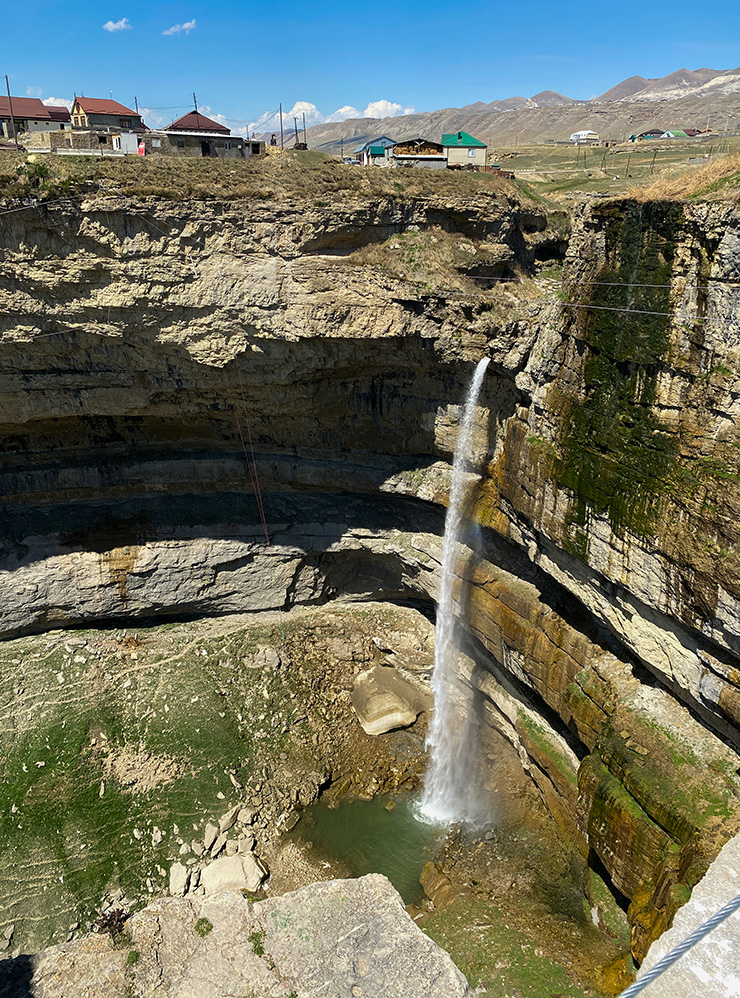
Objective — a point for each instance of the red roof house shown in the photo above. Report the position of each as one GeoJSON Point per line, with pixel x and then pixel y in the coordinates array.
{"type": "Point", "coordinates": [98, 113]}
{"type": "Point", "coordinates": [194, 121]}
{"type": "Point", "coordinates": [31, 115]}
{"type": "Point", "coordinates": [59, 114]}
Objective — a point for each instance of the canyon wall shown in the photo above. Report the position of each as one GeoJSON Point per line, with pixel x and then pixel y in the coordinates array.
{"type": "Point", "coordinates": [148, 349]}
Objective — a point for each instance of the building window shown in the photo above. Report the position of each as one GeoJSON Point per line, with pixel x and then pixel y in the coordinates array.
{"type": "Point", "coordinates": [125, 123]}
{"type": "Point", "coordinates": [471, 153]}
{"type": "Point", "coordinates": [181, 143]}
{"type": "Point", "coordinates": [156, 143]}
{"type": "Point", "coordinates": [227, 145]}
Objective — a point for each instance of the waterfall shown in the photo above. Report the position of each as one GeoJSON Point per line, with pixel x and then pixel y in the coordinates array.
{"type": "Point", "coordinates": [449, 793]}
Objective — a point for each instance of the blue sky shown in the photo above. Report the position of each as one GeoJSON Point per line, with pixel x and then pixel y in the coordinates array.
{"type": "Point", "coordinates": [337, 59]}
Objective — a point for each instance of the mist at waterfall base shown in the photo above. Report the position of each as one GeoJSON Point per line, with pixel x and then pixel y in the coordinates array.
{"type": "Point", "coordinates": [451, 790]}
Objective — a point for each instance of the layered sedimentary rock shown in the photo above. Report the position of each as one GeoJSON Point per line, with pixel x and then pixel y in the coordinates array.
{"type": "Point", "coordinates": [158, 362]}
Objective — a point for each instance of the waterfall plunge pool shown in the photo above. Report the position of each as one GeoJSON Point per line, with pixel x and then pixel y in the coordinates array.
{"type": "Point", "coordinates": [365, 836]}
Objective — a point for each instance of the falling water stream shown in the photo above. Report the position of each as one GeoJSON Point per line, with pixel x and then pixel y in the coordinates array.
{"type": "Point", "coordinates": [449, 792]}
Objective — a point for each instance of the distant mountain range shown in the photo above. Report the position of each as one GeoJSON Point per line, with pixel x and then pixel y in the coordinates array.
{"type": "Point", "coordinates": [689, 98]}
{"type": "Point", "coordinates": [683, 83]}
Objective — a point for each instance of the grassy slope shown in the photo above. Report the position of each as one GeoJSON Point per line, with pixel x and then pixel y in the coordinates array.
{"type": "Point", "coordinates": [277, 177]}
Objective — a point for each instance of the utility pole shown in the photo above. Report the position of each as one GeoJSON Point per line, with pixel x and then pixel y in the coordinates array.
{"type": "Point", "coordinates": [136, 104]}
{"type": "Point", "coordinates": [652, 165]}
{"type": "Point", "coordinates": [629, 160]}
{"type": "Point", "coordinates": [341, 146]}
{"type": "Point", "coordinates": [282, 137]}
{"type": "Point", "coordinates": [305, 140]}
{"type": "Point", "coordinates": [295, 127]}
{"type": "Point", "coordinates": [195, 102]}
{"type": "Point", "coordinates": [12, 119]}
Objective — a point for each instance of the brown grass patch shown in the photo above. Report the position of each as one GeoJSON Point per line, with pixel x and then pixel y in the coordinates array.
{"type": "Point", "coordinates": [719, 179]}
{"type": "Point", "coordinates": [308, 176]}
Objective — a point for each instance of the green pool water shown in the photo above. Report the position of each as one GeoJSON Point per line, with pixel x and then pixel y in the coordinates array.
{"type": "Point", "coordinates": [365, 837]}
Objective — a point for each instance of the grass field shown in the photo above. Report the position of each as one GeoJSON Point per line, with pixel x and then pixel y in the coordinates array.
{"type": "Point", "coordinates": [310, 176]}
{"type": "Point", "coordinates": [564, 169]}
{"type": "Point", "coordinates": [552, 172]}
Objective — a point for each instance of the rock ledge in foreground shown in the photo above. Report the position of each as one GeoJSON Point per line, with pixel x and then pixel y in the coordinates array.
{"type": "Point", "coordinates": [340, 938]}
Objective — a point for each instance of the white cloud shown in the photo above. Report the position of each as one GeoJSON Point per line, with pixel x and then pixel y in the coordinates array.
{"type": "Point", "coordinates": [33, 91]}
{"type": "Point", "coordinates": [375, 109]}
{"type": "Point", "coordinates": [270, 121]}
{"type": "Point", "coordinates": [301, 107]}
{"type": "Point", "coordinates": [187, 27]}
{"type": "Point", "coordinates": [122, 25]}
{"type": "Point", "coordinates": [57, 102]}
{"type": "Point", "coordinates": [386, 109]}
{"type": "Point", "coordinates": [343, 113]}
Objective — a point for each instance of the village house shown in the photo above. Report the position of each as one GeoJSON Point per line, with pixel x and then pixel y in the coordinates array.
{"type": "Point", "coordinates": [462, 149]}
{"type": "Point", "coordinates": [99, 114]}
{"type": "Point", "coordinates": [194, 121]}
{"type": "Point", "coordinates": [585, 137]}
{"type": "Point", "coordinates": [149, 143]}
{"type": "Point", "coordinates": [652, 133]}
{"type": "Point", "coordinates": [420, 152]}
{"type": "Point", "coordinates": [31, 115]}
{"type": "Point", "coordinates": [684, 133]}
{"type": "Point", "coordinates": [194, 134]}
{"type": "Point", "coordinates": [375, 152]}
{"type": "Point", "coordinates": [215, 145]}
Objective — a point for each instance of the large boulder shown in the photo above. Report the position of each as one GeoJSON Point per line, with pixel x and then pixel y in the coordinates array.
{"type": "Point", "coordinates": [232, 873]}
{"type": "Point", "coordinates": [383, 700]}
{"type": "Point", "coordinates": [337, 938]}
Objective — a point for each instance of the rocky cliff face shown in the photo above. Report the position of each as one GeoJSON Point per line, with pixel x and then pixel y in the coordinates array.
{"type": "Point", "coordinates": [146, 348]}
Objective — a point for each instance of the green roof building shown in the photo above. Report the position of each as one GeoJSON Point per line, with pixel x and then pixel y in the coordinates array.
{"type": "Point", "coordinates": [462, 141]}
{"type": "Point", "coordinates": [462, 149]}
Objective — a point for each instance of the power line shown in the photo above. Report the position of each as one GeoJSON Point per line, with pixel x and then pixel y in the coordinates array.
{"type": "Point", "coordinates": [637, 311]}
{"type": "Point", "coordinates": [38, 204]}
{"type": "Point", "coordinates": [617, 284]}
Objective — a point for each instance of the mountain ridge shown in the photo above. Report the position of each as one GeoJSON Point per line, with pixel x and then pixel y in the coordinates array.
{"type": "Point", "coordinates": [701, 98]}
